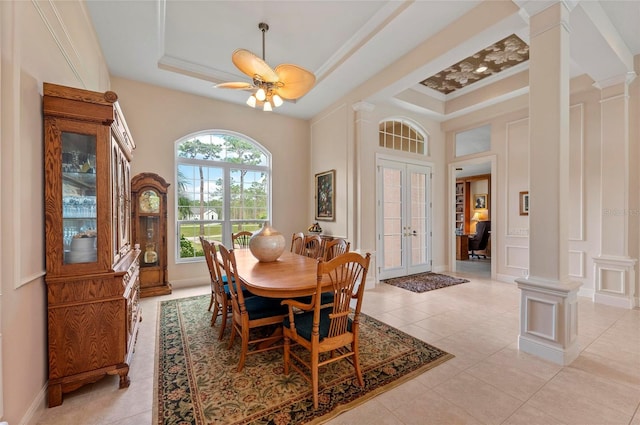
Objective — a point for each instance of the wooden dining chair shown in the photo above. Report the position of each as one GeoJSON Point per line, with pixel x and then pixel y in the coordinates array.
{"type": "Point", "coordinates": [297, 243]}
{"type": "Point", "coordinates": [250, 313]}
{"type": "Point", "coordinates": [335, 247]}
{"type": "Point", "coordinates": [327, 328]}
{"type": "Point", "coordinates": [219, 288]}
{"type": "Point", "coordinates": [220, 294]}
{"type": "Point", "coordinates": [206, 247]}
{"type": "Point", "coordinates": [312, 246]}
{"type": "Point", "coordinates": [241, 239]}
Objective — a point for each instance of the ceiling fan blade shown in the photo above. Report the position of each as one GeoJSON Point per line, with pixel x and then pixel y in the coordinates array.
{"type": "Point", "coordinates": [296, 81]}
{"type": "Point", "coordinates": [238, 85]}
{"type": "Point", "coordinates": [252, 65]}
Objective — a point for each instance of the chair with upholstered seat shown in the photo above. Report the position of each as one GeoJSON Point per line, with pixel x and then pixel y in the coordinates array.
{"type": "Point", "coordinates": [219, 297]}
{"type": "Point", "coordinates": [241, 239]}
{"type": "Point", "coordinates": [250, 313]}
{"type": "Point", "coordinates": [335, 247]}
{"type": "Point", "coordinates": [297, 243]}
{"type": "Point", "coordinates": [219, 285]}
{"type": "Point", "coordinates": [479, 241]}
{"type": "Point", "coordinates": [331, 328]}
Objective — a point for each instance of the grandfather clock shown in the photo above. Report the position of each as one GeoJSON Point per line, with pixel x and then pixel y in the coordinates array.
{"type": "Point", "coordinates": [149, 226]}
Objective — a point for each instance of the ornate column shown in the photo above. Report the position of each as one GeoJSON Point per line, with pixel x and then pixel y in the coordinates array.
{"type": "Point", "coordinates": [614, 269]}
{"type": "Point", "coordinates": [548, 303]}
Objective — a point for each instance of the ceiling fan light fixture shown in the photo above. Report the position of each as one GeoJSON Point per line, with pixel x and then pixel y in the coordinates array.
{"type": "Point", "coordinates": [269, 86]}
{"type": "Point", "coordinates": [277, 100]}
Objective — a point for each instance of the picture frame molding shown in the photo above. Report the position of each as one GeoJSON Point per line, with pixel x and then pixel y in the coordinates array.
{"type": "Point", "coordinates": [325, 188]}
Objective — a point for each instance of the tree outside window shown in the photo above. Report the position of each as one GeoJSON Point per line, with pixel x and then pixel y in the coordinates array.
{"type": "Point", "coordinates": [223, 186]}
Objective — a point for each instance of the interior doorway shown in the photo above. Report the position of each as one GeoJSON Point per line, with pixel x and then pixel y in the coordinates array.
{"type": "Point", "coordinates": [473, 216]}
{"type": "Point", "coordinates": [404, 218]}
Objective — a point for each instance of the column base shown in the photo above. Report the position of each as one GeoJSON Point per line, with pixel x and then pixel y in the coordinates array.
{"type": "Point", "coordinates": [615, 281]}
{"type": "Point", "coordinates": [549, 319]}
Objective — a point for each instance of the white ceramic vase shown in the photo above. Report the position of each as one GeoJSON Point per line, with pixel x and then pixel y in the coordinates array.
{"type": "Point", "coordinates": [267, 244]}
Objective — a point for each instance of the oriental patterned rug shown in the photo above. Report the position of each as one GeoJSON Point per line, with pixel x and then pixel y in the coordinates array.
{"type": "Point", "coordinates": [423, 282]}
{"type": "Point", "coordinates": [196, 381]}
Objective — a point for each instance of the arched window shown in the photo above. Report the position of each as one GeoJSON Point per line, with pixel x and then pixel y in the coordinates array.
{"type": "Point", "coordinates": [402, 135]}
{"type": "Point", "coordinates": [223, 185]}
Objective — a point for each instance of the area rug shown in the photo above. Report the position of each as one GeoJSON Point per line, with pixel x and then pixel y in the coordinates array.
{"type": "Point", "coordinates": [196, 381]}
{"type": "Point", "coordinates": [423, 282]}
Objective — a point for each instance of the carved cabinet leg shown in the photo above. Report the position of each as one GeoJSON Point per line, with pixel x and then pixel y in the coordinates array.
{"type": "Point", "coordinates": [124, 379]}
{"type": "Point", "coordinates": [55, 395]}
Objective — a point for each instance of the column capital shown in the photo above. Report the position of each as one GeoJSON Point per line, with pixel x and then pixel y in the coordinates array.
{"type": "Point", "coordinates": [625, 79]}
{"type": "Point", "coordinates": [363, 106]}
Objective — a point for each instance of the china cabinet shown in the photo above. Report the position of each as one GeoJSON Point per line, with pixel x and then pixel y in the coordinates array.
{"type": "Point", "coordinates": [149, 230]}
{"type": "Point", "coordinates": [92, 271]}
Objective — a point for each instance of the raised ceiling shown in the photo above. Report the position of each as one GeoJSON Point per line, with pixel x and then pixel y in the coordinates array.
{"type": "Point", "coordinates": [378, 50]}
{"type": "Point", "coordinates": [491, 60]}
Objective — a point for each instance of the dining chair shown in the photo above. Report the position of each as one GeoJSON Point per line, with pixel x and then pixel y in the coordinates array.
{"type": "Point", "coordinates": [241, 239]}
{"type": "Point", "coordinates": [219, 287]}
{"type": "Point", "coordinates": [220, 294]}
{"type": "Point", "coordinates": [335, 247]}
{"type": "Point", "coordinates": [331, 328]}
{"type": "Point", "coordinates": [206, 247]}
{"type": "Point", "coordinates": [250, 313]}
{"type": "Point", "coordinates": [297, 243]}
{"type": "Point", "coordinates": [312, 246]}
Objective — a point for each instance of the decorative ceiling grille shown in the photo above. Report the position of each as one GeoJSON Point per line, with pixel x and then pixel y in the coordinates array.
{"type": "Point", "coordinates": [502, 55]}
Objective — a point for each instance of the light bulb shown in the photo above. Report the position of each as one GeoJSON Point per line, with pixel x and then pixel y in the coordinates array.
{"type": "Point", "coordinates": [267, 106]}
{"type": "Point", "coordinates": [261, 95]}
{"type": "Point", "coordinates": [251, 101]}
{"type": "Point", "coordinates": [277, 100]}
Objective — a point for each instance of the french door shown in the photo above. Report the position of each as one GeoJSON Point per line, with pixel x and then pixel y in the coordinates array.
{"type": "Point", "coordinates": [404, 218]}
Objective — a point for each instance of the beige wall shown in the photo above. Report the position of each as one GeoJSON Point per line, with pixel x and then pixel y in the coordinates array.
{"type": "Point", "coordinates": [335, 144]}
{"type": "Point", "coordinates": [55, 42]}
{"type": "Point", "coordinates": [40, 42]}
{"type": "Point", "coordinates": [510, 143]}
{"type": "Point", "coordinates": [157, 119]}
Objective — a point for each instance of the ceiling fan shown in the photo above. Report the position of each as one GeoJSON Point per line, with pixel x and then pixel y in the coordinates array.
{"type": "Point", "coordinates": [269, 86]}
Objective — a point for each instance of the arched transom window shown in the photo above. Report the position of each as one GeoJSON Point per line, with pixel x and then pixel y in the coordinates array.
{"type": "Point", "coordinates": [402, 135]}
{"type": "Point", "coordinates": [223, 185]}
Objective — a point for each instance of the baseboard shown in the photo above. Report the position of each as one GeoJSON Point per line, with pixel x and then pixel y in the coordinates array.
{"type": "Point", "coordinates": [190, 283]}
{"type": "Point", "coordinates": [614, 301]}
{"type": "Point", "coordinates": [547, 352]}
{"type": "Point", "coordinates": [38, 406]}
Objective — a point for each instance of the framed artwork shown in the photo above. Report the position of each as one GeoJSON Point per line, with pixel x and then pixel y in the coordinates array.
{"type": "Point", "coordinates": [524, 203]}
{"type": "Point", "coordinates": [326, 195]}
{"type": "Point", "coordinates": [480, 201]}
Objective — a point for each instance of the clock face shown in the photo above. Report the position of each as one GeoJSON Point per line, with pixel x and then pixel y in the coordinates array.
{"type": "Point", "coordinates": [149, 202]}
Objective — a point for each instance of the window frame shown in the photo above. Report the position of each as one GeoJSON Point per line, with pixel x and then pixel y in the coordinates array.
{"type": "Point", "coordinates": [227, 167]}
{"type": "Point", "coordinates": [412, 126]}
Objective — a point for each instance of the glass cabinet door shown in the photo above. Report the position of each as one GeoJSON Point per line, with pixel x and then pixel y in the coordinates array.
{"type": "Point", "coordinates": [79, 208]}
{"type": "Point", "coordinates": [149, 207]}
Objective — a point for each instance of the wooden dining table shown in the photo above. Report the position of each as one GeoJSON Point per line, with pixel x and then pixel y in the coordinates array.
{"type": "Point", "coordinates": [291, 275]}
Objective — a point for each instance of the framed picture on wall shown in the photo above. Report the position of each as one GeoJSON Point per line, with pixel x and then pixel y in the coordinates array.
{"type": "Point", "coordinates": [325, 195]}
{"type": "Point", "coordinates": [480, 201]}
{"type": "Point", "coordinates": [524, 203]}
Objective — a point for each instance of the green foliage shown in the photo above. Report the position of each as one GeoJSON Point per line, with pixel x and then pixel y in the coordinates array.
{"type": "Point", "coordinates": [199, 198]}
{"type": "Point", "coordinates": [186, 248]}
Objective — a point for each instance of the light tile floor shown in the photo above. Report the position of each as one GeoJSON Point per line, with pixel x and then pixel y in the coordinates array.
{"type": "Point", "coordinates": [488, 382]}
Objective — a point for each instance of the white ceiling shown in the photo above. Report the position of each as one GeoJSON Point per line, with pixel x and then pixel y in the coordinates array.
{"type": "Point", "coordinates": [187, 45]}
